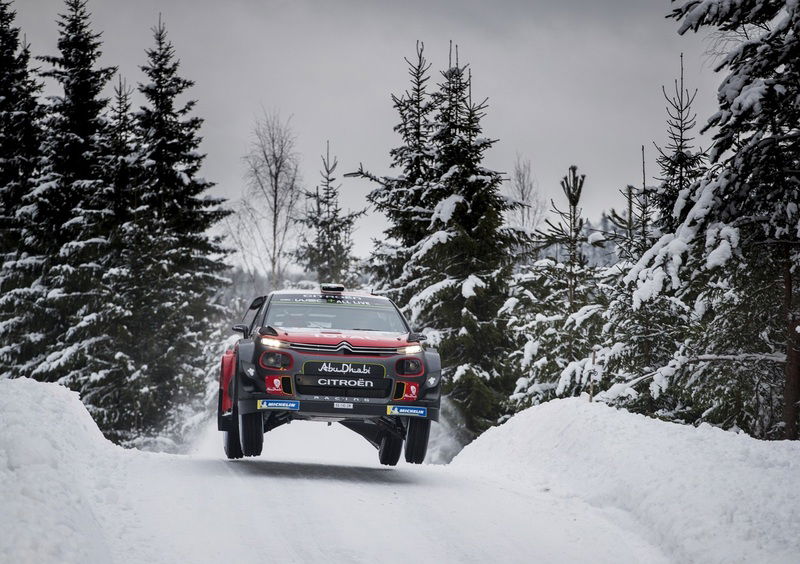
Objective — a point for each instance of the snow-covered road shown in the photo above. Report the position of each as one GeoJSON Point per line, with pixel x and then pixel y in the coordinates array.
{"type": "Point", "coordinates": [318, 494]}
{"type": "Point", "coordinates": [564, 482]}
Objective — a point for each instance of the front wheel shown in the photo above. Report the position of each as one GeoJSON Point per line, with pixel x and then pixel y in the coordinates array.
{"type": "Point", "coordinates": [251, 433]}
{"type": "Point", "coordinates": [230, 442]}
{"type": "Point", "coordinates": [389, 450]}
{"type": "Point", "coordinates": [417, 440]}
{"type": "Point", "coordinates": [230, 438]}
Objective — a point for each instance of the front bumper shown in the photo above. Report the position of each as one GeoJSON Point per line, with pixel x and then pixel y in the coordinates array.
{"type": "Point", "coordinates": [340, 408]}
{"type": "Point", "coordinates": [338, 404]}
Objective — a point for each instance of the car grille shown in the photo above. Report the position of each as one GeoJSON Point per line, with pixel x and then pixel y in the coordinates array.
{"type": "Point", "coordinates": [336, 391]}
{"type": "Point", "coordinates": [343, 348]}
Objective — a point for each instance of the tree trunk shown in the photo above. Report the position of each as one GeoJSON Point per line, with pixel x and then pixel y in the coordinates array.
{"type": "Point", "coordinates": [791, 393]}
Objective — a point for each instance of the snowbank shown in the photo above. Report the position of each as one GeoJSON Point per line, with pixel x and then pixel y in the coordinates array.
{"type": "Point", "coordinates": [704, 494]}
{"type": "Point", "coordinates": [567, 481]}
{"type": "Point", "coordinates": [48, 448]}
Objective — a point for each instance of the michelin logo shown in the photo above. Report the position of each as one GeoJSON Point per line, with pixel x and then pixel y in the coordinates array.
{"type": "Point", "coordinates": [289, 405]}
{"type": "Point", "coordinates": [406, 410]}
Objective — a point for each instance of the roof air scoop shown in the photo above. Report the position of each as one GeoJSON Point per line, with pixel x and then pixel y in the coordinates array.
{"type": "Point", "coordinates": [332, 288]}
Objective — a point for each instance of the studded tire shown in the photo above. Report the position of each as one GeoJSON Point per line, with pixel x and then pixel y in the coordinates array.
{"type": "Point", "coordinates": [419, 430]}
{"type": "Point", "coordinates": [251, 433]}
{"type": "Point", "coordinates": [389, 450]}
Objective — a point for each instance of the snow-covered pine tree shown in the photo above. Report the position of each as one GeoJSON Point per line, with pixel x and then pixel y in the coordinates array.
{"type": "Point", "coordinates": [637, 340]}
{"type": "Point", "coordinates": [176, 261]}
{"type": "Point", "coordinates": [110, 361]}
{"type": "Point", "coordinates": [632, 230]}
{"type": "Point", "coordinates": [680, 163]}
{"type": "Point", "coordinates": [568, 233]}
{"type": "Point", "coordinates": [65, 216]}
{"type": "Point", "coordinates": [458, 274]}
{"type": "Point", "coordinates": [20, 137]}
{"type": "Point", "coordinates": [19, 127]}
{"type": "Point", "coordinates": [555, 308]}
{"type": "Point", "coordinates": [123, 166]}
{"type": "Point", "coordinates": [329, 252]}
{"type": "Point", "coordinates": [641, 339]}
{"type": "Point", "coordinates": [405, 199]}
{"type": "Point", "coordinates": [740, 235]}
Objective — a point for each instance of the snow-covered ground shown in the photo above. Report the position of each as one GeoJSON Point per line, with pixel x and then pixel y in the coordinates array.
{"type": "Point", "coordinates": [564, 482]}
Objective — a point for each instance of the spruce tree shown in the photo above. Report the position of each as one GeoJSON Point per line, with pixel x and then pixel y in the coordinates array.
{"type": "Point", "coordinates": [679, 162]}
{"type": "Point", "coordinates": [459, 273]}
{"type": "Point", "coordinates": [556, 308]}
{"type": "Point", "coordinates": [568, 233]}
{"type": "Point", "coordinates": [65, 216]}
{"type": "Point", "coordinates": [20, 137]}
{"type": "Point", "coordinates": [176, 261]}
{"type": "Point", "coordinates": [405, 199]}
{"type": "Point", "coordinates": [110, 361]}
{"type": "Point", "coordinates": [740, 233]}
{"type": "Point", "coordinates": [123, 164]}
{"type": "Point", "coordinates": [638, 338]}
{"type": "Point", "coordinates": [329, 251]}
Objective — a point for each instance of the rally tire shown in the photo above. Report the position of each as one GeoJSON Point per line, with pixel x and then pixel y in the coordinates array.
{"type": "Point", "coordinates": [251, 433]}
{"type": "Point", "coordinates": [419, 430]}
{"type": "Point", "coordinates": [230, 442]}
{"type": "Point", "coordinates": [230, 438]}
{"type": "Point", "coordinates": [389, 450]}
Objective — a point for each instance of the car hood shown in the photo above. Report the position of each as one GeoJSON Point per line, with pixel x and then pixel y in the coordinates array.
{"type": "Point", "coordinates": [335, 336]}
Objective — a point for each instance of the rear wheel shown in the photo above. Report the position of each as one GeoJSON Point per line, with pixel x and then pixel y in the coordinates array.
{"type": "Point", "coordinates": [417, 440]}
{"type": "Point", "coordinates": [389, 449]}
{"type": "Point", "coordinates": [251, 433]}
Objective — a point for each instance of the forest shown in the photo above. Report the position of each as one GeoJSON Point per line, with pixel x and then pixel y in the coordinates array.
{"type": "Point", "coordinates": [121, 272]}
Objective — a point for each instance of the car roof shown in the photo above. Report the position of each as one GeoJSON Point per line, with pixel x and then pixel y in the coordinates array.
{"type": "Point", "coordinates": [357, 294]}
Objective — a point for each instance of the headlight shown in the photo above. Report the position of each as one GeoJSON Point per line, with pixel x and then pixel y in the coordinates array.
{"type": "Point", "coordinates": [410, 349]}
{"type": "Point", "coordinates": [270, 342]}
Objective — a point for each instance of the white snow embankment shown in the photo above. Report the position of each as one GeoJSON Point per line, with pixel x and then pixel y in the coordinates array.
{"type": "Point", "coordinates": [564, 482]}
{"type": "Point", "coordinates": [704, 494]}
{"type": "Point", "coordinates": [317, 494]}
{"type": "Point", "coordinates": [48, 446]}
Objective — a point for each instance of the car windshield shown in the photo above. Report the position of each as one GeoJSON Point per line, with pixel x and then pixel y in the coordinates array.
{"type": "Point", "coordinates": [318, 311]}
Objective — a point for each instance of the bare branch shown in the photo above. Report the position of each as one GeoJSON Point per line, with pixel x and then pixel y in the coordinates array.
{"type": "Point", "coordinates": [264, 228]}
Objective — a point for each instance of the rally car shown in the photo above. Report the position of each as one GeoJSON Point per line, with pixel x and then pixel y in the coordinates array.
{"type": "Point", "coordinates": [333, 356]}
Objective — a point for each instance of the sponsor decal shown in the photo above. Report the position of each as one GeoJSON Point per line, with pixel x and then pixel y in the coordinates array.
{"type": "Point", "coordinates": [411, 391]}
{"type": "Point", "coordinates": [287, 405]}
{"type": "Point", "coordinates": [339, 405]}
{"type": "Point", "coordinates": [360, 383]}
{"type": "Point", "coordinates": [336, 299]}
{"type": "Point", "coordinates": [344, 368]}
{"type": "Point", "coordinates": [251, 371]}
{"type": "Point", "coordinates": [431, 380]}
{"type": "Point", "coordinates": [274, 386]}
{"type": "Point", "coordinates": [406, 410]}
{"type": "Point", "coordinates": [350, 400]}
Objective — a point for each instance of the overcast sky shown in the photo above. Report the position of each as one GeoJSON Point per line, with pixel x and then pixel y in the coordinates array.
{"type": "Point", "coordinates": [568, 81]}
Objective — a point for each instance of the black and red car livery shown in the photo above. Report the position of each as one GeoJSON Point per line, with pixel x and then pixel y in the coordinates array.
{"type": "Point", "coordinates": [329, 355]}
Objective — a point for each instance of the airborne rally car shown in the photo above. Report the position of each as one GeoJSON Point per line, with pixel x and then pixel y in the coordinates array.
{"type": "Point", "coordinates": [330, 356]}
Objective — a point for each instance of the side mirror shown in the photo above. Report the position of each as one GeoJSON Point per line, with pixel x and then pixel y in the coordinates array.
{"type": "Point", "coordinates": [257, 303]}
{"type": "Point", "coordinates": [241, 328]}
{"type": "Point", "coordinates": [416, 337]}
